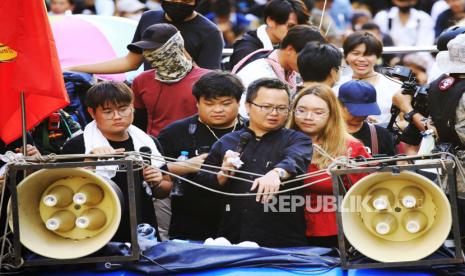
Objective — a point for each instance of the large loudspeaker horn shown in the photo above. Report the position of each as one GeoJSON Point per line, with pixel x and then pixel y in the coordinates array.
{"type": "Point", "coordinates": [67, 213]}
{"type": "Point", "coordinates": [396, 217]}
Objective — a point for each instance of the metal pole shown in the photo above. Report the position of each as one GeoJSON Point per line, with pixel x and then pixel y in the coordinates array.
{"type": "Point", "coordinates": [23, 121]}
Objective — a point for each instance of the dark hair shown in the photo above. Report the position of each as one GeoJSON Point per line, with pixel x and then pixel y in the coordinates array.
{"type": "Point", "coordinates": [370, 26]}
{"type": "Point", "coordinates": [300, 35]}
{"type": "Point", "coordinates": [316, 60]}
{"type": "Point", "coordinates": [218, 84]}
{"type": "Point", "coordinates": [271, 83]}
{"type": "Point", "coordinates": [108, 93]}
{"type": "Point", "coordinates": [222, 7]}
{"type": "Point", "coordinates": [279, 11]}
{"type": "Point", "coordinates": [372, 44]}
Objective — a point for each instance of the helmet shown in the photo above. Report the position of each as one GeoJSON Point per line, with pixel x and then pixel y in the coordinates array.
{"type": "Point", "coordinates": [447, 35]}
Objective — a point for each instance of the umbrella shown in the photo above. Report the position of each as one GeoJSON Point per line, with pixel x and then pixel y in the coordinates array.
{"type": "Point", "coordinates": [82, 39]}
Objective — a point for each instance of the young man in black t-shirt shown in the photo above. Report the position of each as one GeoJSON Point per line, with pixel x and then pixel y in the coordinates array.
{"type": "Point", "coordinates": [359, 101]}
{"type": "Point", "coordinates": [112, 132]}
{"type": "Point", "coordinates": [197, 212]}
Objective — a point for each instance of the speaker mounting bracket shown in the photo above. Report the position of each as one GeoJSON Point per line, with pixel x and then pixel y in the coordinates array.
{"type": "Point", "coordinates": [348, 262]}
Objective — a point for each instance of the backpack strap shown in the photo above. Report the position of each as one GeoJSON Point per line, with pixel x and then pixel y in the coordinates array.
{"type": "Point", "coordinates": [374, 139]}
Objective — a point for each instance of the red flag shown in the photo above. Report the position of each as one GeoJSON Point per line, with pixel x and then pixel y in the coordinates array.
{"type": "Point", "coordinates": [29, 63]}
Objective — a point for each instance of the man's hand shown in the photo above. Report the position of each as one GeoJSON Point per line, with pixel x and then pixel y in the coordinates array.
{"type": "Point", "coordinates": [402, 101]}
{"type": "Point", "coordinates": [268, 184]}
{"type": "Point", "coordinates": [106, 150]}
{"type": "Point", "coordinates": [227, 166]}
{"type": "Point", "coordinates": [30, 150]}
{"type": "Point", "coordinates": [152, 175]}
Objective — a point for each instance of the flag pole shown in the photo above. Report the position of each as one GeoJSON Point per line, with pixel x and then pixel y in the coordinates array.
{"type": "Point", "coordinates": [23, 122]}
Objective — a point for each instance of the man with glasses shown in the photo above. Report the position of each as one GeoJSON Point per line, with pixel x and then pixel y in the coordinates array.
{"type": "Point", "coordinates": [274, 154]}
{"type": "Point", "coordinates": [111, 132]}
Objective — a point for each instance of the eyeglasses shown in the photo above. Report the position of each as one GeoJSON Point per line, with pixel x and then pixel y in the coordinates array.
{"type": "Point", "coordinates": [316, 115]}
{"type": "Point", "coordinates": [283, 110]}
{"type": "Point", "coordinates": [124, 111]}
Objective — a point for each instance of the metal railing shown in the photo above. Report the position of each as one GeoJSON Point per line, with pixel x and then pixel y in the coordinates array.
{"type": "Point", "coordinates": [386, 50]}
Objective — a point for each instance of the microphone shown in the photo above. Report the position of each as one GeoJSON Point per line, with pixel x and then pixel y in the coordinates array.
{"type": "Point", "coordinates": [146, 150]}
{"type": "Point", "coordinates": [243, 141]}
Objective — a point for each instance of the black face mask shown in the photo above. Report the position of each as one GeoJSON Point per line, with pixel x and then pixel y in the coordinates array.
{"type": "Point", "coordinates": [405, 9]}
{"type": "Point", "coordinates": [178, 12]}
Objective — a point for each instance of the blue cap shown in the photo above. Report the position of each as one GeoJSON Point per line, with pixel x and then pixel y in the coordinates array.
{"type": "Point", "coordinates": [359, 97]}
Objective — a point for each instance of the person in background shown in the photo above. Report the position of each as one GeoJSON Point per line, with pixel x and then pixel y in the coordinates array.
{"type": "Point", "coordinates": [232, 24]}
{"type": "Point", "coordinates": [203, 41]}
{"type": "Point", "coordinates": [450, 17]}
{"type": "Point", "coordinates": [196, 213]}
{"type": "Point", "coordinates": [163, 95]}
{"type": "Point", "coordinates": [112, 132]}
{"type": "Point", "coordinates": [387, 59]}
{"type": "Point", "coordinates": [319, 62]}
{"type": "Point", "coordinates": [60, 7]}
{"type": "Point", "coordinates": [317, 113]}
{"type": "Point", "coordinates": [131, 9]}
{"type": "Point", "coordinates": [273, 151]}
{"type": "Point", "coordinates": [358, 99]}
{"type": "Point", "coordinates": [280, 63]}
{"type": "Point", "coordinates": [361, 52]}
{"type": "Point", "coordinates": [279, 17]}
{"type": "Point", "coordinates": [328, 26]}
{"type": "Point", "coordinates": [406, 25]}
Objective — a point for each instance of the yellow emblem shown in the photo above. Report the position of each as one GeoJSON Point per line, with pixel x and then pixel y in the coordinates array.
{"type": "Point", "coordinates": [6, 53]}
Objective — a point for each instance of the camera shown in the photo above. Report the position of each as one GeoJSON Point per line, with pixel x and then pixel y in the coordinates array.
{"type": "Point", "coordinates": [410, 87]}
{"type": "Point", "coordinates": [419, 102]}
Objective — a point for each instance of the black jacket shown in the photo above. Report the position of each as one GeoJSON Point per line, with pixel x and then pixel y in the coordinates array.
{"type": "Point", "coordinates": [247, 44]}
{"type": "Point", "coordinates": [244, 219]}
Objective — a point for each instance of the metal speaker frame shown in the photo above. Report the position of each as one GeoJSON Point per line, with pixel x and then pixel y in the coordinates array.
{"type": "Point", "coordinates": [11, 184]}
{"type": "Point", "coordinates": [347, 262]}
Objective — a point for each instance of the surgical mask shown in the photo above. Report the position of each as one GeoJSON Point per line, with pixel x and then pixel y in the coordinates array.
{"type": "Point", "coordinates": [169, 61]}
{"type": "Point", "coordinates": [178, 12]}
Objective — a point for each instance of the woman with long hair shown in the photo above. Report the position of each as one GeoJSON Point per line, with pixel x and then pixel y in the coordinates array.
{"type": "Point", "coordinates": [317, 113]}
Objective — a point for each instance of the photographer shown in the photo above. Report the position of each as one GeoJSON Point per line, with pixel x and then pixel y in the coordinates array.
{"type": "Point", "coordinates": [445, 102]}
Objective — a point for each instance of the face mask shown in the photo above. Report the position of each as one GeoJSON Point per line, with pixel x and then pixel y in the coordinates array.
{"type": "Point", "coordinates": [169, 60]}
{"type": "Point", "coordinates": [178, 12]}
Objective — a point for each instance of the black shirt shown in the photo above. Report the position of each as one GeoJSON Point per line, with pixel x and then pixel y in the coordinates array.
{"type": "Point", "coordinates": [144, 204]}
{"type": "Point", "coordinates": [244, 219]}
{"type": "Point", "coordinates": [242, 47]}
{"type": "Point", "coordinates": [197, 214]}
{"type": "Point", "coordinates": [202, 39]}
{"type": "Point", "coordinates": [385, 139]}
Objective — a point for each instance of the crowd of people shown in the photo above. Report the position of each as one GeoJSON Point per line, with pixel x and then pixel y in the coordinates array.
{"type": "Point", "coordinates": [285, 88]}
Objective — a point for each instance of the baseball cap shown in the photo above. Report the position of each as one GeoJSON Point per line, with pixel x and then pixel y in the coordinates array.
{"type": "Point", "coordinates": [153, 38]}
{"type": "Point", "coordinates": [359, 97]}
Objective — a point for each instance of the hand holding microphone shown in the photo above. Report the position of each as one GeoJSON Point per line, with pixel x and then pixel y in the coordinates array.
{"type": "Point", "coordinates": [234, 158]}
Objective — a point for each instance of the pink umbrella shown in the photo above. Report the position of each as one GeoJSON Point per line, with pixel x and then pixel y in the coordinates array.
{"type": "Point", "coordinates": [82, 39]}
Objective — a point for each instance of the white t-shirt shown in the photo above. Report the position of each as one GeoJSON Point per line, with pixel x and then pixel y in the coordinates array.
{"type": "Point", "coordinates": [419, 30]}
{"type": "Point", "coordinates": [255, 70]}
